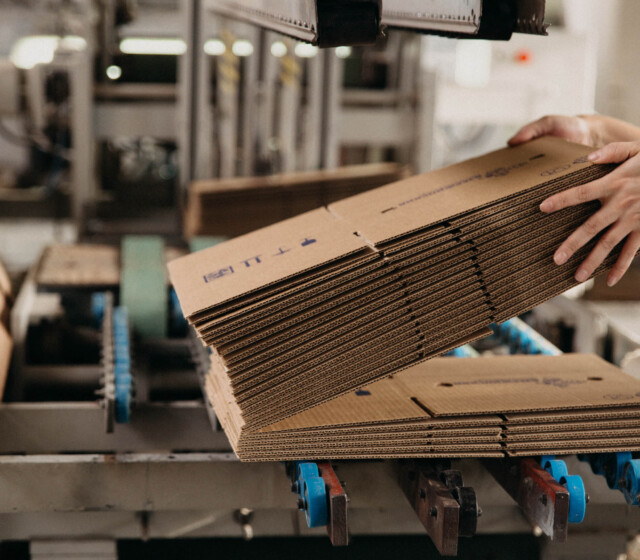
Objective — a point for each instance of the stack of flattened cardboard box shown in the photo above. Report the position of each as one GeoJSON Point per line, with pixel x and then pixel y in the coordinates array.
{"type": "Point", "coordinates": [316, 306]}
{"type": "Point", "coordinates": [237, 205]}
{"type": "Point", "coordinates": [455, 407]}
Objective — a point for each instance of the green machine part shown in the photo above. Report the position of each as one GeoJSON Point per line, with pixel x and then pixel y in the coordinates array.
{"type": "Point", "coordinates": [200, 242]}
{"type": "Point", "coordinates": [143, 284]}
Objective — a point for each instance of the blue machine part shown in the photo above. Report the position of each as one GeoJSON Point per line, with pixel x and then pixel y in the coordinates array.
{"type": "Point", "coordinates": [520, 337]}
{"type": "Point", "coordinates": [465, 351]}
{"type": "Point", "coordinates": [122, 365]}
{"type": "Point", "coordinates": [577, 497]}
{"type": "Point", "coordinates": [631, 482]}
{"type": "Point", "coordinates": [123, 403]}
{"type": "Point", "coordinates": [557, 468]}
{"type": "Point", "coordinates": [98, 303]}
{"type": "Point", "coordinates": [177, 323]}
{"type": "Point", "coordinates": [312, 494]}
{"type": "Point", "coordinates": [621, 471]}
{"type": "Point", "coordinates": [613, 465]}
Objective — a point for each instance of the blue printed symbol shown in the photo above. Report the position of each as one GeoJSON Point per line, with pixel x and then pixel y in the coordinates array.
{"type": "Point", "coordinates": [247, 261]}
{"type": "Point", "coordinates": [363, 393]}
{"type": "Point", "coordinates": [500, 172]}
{"type": "Point", "coordinates": [281, 251]}
{"type": "Point", "coordinates": [218, 274]}
{"type": "Point", "coordinates": [307, 241]}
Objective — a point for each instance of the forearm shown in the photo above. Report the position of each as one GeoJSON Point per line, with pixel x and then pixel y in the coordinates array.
{"type": "Point", "coordinates": [604, 130]}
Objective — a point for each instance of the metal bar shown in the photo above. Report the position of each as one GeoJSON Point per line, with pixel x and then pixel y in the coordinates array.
{"type": "Point", "coordinates": [297, 18]}
{"type": "Point", "coordinates": [138, 482]}
{"type": "Point", "coordinates": [432, 501]}
{"type": "Point", "coordinates": [542, 499]}
{"type": "Point", "coordinates": [338, 526]}
{"type": "Point", "coordinates": [433, 15]}
{"type": "Point", "coordinates": [76, 427]}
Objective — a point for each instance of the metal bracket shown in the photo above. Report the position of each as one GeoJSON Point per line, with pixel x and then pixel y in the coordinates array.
{"type": "Point", "coordinates": [338, 526]}
{"type": "Point", "coordinates": [447, 509]}
{"type": "Point", "coordinates": [542, 499]}
{"type": "Point", "coordinates": [326, 23]}
{"type": "Point", "coordinates": [322, 498]}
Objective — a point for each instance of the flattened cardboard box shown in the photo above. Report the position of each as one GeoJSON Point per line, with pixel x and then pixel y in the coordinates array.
{"type": "Point", "coordinates": [451, 213]}
{"type": "Point", "coordinates": [412, 399]}
{"type": "Point", "coordinates": [234, 206]}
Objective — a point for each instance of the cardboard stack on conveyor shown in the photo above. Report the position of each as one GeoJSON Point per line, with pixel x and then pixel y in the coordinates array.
{"type": "Point", "coordinates": [237, 205]}
{"type": "Point", "coordinates": [316, 306]}
{"type": "Point", "coordinates": [455, 407]}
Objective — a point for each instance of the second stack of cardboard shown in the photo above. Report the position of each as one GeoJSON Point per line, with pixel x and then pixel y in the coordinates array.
{"type": "Point", "coordinates": [455, 407]}
{"type": "Point", "coordinates": [313, 307]}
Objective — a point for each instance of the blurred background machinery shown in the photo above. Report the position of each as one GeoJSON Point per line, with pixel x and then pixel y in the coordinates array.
{"type": "Point", "coordinates": [127, 126]}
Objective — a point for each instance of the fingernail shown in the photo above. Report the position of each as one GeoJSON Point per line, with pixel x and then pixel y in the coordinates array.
{"type": "Point", "coordinates": [612, 281]}
{"type": "Point", "coordinates": [546, 206]}
{"type": "Point", "coordinates": [581, 275]}
{"type": "Point", "coordinates": [594, 156]}
{"type": "Point", "coordinates": [560, 257]}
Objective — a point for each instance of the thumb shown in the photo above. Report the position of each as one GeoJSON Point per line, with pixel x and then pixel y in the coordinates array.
{"type": "Point", "coordinates": [616, 152]}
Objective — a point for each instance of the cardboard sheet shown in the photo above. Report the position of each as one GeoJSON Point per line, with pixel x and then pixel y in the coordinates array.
{"type": "Point", "coordinates": [383, 282]}
{"type": "Point", "coordinates": [242, 265]}
{"type": "Point", "coordinates": [79, 265]}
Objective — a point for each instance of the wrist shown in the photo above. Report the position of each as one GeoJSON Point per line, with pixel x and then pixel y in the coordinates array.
{"type": "Point", "coordinates": [594, 130]}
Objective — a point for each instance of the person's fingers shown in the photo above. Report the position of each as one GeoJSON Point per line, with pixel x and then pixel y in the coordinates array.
{"type": "Point", "coordinates": [577, 195]}
{"type": "Point", "coordinates": [606, 244]}
{"type": "Point", "coordinates": [542, 126]}
{"type": "Point", "coordinates": [581, 236]}
{"type": "Point", "coordinates": [615, 152]}
{"type": "Point", "coordinates": [629, 250]}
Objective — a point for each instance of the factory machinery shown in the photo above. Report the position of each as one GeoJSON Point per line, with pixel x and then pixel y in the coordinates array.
{"type": "Point", "coordinates": [104, 434]}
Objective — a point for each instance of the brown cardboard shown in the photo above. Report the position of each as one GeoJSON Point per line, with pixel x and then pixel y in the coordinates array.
{"type": "Point", "coordinates": [6, 347]}
{"type": "Point", "coordinates": [398, 360]}
{"type": "Point", "coordinates": [79, 265]}
{"type": "Point", "coordinates": [311, 307]}
{"type": "Point", "coordinates": [401, 326]}
{"type": "Point", "coordinates": [586, 425]}
{"type": "Point", "coordinates": [385, 403]}
{"type": "Point", "coordinates": [235, 206]}
{"type": "Point", "coordinates": [397, 209]}
{"type": "Point", "coordinates": [280, 251]}
{"type": "Point", "coordinates": [290, 297]}
{"type": "Point", "coordinates": [617, 433]}
{"type": "Point", "coordinates": [317, 346]}
{"type": "Point", "coordinates": [520, 203]}
{"type": "Point", "coordinates": [526, 383]}
{"type": "Point", "coordinates": [627, 288]}
{"type": "Point", "coordinates": [460, 242]}
{"type": "Point", "coordinates": [530, 418]}
{"type": "Point", "coordinates": [310, 318]}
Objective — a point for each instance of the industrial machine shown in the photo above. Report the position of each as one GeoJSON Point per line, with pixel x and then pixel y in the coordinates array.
{"type": "Point", "coordinates": [104, 434]}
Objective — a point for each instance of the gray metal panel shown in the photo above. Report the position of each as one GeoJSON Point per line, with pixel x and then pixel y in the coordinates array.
{"type": "Point", "coordinates": [79, 427]}
{"type": "Point", "coordinates": [462, 16]}
{"type": "Point", "coordinates": [297, 18]}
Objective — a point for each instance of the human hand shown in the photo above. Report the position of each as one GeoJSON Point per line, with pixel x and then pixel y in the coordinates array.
{"type": "Point", "coordinates": [574, 129]}
{"type": "Point", "coordinates": [619, 195]}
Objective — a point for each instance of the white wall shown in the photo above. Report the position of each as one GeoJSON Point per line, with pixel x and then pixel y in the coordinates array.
{"type": "Point", "coordinates": [614, 24]}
